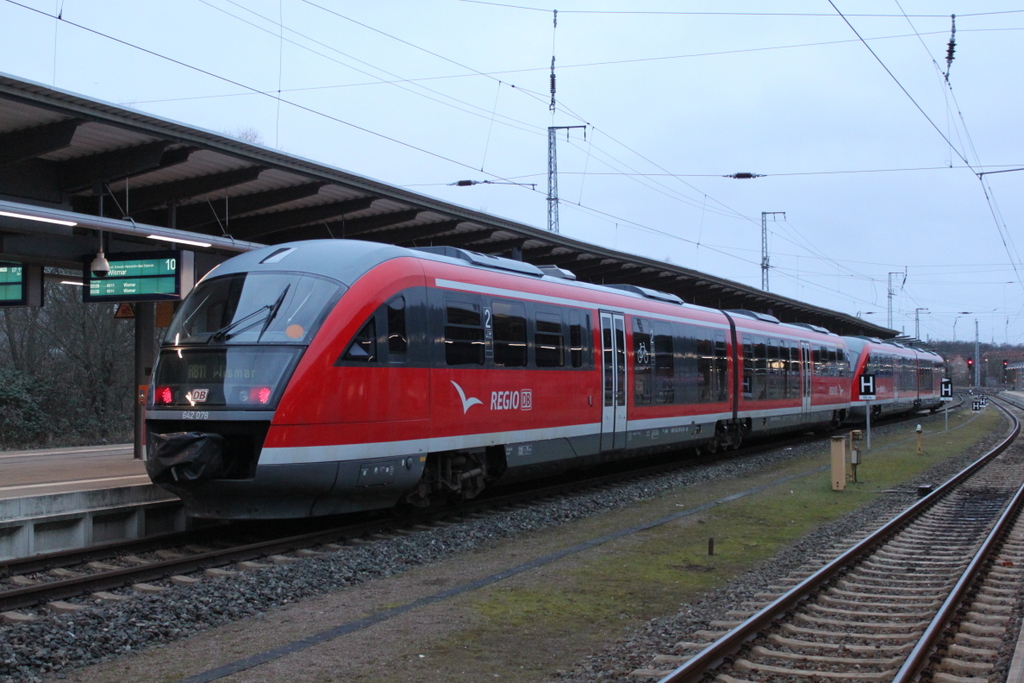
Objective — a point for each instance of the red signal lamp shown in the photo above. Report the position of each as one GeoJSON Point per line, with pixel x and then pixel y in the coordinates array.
{"type": "Point", "coordinates": [259, 395]}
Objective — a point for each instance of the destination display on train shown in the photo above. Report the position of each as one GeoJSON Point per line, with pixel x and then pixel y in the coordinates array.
{"type": "Point", "coordinates": [12, 284]}
{"type": "Point", "coordinates": [150, 276]}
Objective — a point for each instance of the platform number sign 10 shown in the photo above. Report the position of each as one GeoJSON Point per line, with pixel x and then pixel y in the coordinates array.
{"type": "Point", "coordinates": [867, 387]}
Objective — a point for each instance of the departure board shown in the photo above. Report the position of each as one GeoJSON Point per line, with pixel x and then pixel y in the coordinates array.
{"type": "Point", "coordinates": [21, 284]}
{"type": "Point", "coordinates": [147, 276]}
{"type": "Point", "coordinates": [12, 284]}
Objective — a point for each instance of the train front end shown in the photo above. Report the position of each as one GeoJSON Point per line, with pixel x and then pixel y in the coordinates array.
{"type": "Point", "coordinates": [223, 366]}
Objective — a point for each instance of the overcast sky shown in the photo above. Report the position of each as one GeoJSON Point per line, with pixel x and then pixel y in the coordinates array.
{"type": "Point", "coordinates": [862, 144]}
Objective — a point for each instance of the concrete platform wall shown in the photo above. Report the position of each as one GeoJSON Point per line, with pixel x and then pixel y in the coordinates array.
{"type": "Point", "coordinates": [45, 524]}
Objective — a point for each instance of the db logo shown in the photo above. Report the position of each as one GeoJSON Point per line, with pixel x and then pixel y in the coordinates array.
{"type": "Point", "coordinates": [526, 399]}
{"type": "Point", "coordinates": [512, 400]}
{"type": "Point", "coordinates": [197, 396]}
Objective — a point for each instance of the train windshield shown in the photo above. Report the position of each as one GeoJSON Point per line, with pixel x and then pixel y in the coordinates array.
{"type": "Point", "coordinates": [253, 308]}
{"type": "Point", "coordinates": [223, 377]}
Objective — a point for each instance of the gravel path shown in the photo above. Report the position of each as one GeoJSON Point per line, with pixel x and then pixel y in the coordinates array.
{"type": "Point", "coordinates": [56, 644]}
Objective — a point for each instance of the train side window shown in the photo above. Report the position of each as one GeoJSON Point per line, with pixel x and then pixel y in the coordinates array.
{"type": "Point", "coordinates": [793, 390]}
{"type": "Point", "coordinates": [833, 363]}
{"type": "Point", "coordinates": [664, 364]}
{"type": "Point", "coordinates": [775, 378]}
{"type": "Point", "coordinates": [721, 367]}
{"type": "Point", "coordinates": [620, 362]}
{"type": "Point", "coordinates": [463, 334]}
{"type": "Point", "coordinates": [760, 368]}
{"type": "Point", "coordinates": [398, 342]}
{"type": "Point", "coordinates": [643, 381]}
{"type": "Point", "coordinates": [576, 339]}
{"type": "Point", "coordinates": [549, 341]}
{"type": "Point", "coordinates": [509, 334]}
{"type": "Point", "coordinates": [705, 367]}
{"type": "Point", "coordinates": [363, 348]}
{"type": "Point", "coordinates": [841, 358]}
{"type": "Point", "coordinates": [609, 360]}
{"type": "Point", "coordinates": [748, 367]}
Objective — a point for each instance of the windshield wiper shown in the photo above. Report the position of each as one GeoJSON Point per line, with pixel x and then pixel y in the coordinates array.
{"type": "Point", "coordinates": [273, 313]}
{"type": "Point", "coordinates": [222, 332]}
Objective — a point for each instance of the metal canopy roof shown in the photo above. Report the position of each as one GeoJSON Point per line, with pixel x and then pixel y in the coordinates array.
{"type": "Point", "coordinates": [62, 151]}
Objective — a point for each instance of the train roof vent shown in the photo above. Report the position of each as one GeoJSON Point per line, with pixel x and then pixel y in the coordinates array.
{"type": "Point", "coordinates": [555, 271]}
{"type": "Point", "coordinates": [810, 326]}
{"type": "Point", "coordinates": [484, 260]}
{"type": "Point", "coordinates": [650, 293]}
{"type": "Point", "coordinates": [278, 255]}
{"type": "Point", "coordinates": [755, 315]}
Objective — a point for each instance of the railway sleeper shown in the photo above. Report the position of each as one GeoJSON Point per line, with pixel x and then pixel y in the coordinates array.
{"type": "Point", "coordinates": [866, 626]}
{"type": "Point", "coordinates": [767, 653]}
{"type": "Point", "coordinates": [796, 645]}
{"type": "Point", "coordinates": [753, 667]}
{"type": "Point", "coordinates": [959, 667]}
{"type": "Point", "coordinates": [971, 640]}
{"type": "Point", "coordinates": [868, 614]}
{"type": "Point", "coordinates": [964, 652]}
{"type": "Point", "coordinates": [982, 630]}
{"type": "Point", "coordinates": [861, 596]}
{"type": "Point", "coordinates": [844, 604]}
{"type": "Point", "coordinates": [993, 605]}
{"type": "Point", "coordinates": [846, 634]}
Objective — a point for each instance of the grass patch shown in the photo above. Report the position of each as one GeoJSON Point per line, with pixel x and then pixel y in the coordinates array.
{"type": "Point", "coordinates": [551, 617]}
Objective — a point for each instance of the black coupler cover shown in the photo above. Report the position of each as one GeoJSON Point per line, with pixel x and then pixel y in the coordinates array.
{"type": "Point", "coordinates": [184, 457]}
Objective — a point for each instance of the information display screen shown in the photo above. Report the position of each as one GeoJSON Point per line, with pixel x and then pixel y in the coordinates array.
{"type": "Point", "coordinates": [147, 276]}
{"type": "Point", "coordinates": [12, 284]}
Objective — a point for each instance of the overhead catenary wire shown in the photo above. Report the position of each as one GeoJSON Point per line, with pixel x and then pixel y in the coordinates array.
{"type": "Point", "coordinates": [494, 110]}
{"type": "Point", "coordinates": [539, 131]}
{"type": "Point", "coordinates": [252, 89]}
{"type": "Point", "coordinates": [875, 15]}
{"type": "Point", "coordinates": [543, 98]}
{"type": "Point", "coordinates": [1004, 234]}
{"type": "Point", "coordinates": [897, 81]}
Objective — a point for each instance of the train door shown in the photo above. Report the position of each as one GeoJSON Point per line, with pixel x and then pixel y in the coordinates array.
{"type": "Point", "coordinates": [806, 383]}
{"type": "Point", "coordinates": [613, 369]}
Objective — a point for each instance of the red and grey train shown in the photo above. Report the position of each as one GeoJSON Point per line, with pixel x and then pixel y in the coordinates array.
{"type": "Point", "coordinates": [323, 377]}
{"type": "Point", "coordinates": [906, 378]}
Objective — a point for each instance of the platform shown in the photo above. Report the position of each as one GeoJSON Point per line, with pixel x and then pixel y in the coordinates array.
{"type": "Point", "coordinates": [63, 498]}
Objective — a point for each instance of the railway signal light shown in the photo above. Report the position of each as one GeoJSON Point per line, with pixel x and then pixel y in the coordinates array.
{"type": "Point", "coordinates": [970, 362]}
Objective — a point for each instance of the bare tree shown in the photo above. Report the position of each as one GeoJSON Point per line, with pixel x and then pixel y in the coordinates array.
{"type": "Point", "coordinates": [66, 372]}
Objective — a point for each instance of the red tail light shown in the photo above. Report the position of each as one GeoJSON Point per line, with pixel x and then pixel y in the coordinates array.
{"type": "Point", "coordinates": [259, 395]}
{"type": "Point", "coordinates": [163, 396]}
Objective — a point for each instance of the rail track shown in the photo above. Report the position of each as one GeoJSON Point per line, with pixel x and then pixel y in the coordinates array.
{"type": "Point", "coordinates": [49, 581]}
{"type": "Point", "coordinates": [930, 593]}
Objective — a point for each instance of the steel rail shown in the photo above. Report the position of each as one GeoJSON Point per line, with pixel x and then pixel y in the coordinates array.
{"type": "Point", "coordinates": [714, 654]}
{"type": "Point", "coordinates": [102, 551]}
{"type": "Point", "coordinates": [918, 657]}
{"type": "Point", "coordinates": [30, 596]}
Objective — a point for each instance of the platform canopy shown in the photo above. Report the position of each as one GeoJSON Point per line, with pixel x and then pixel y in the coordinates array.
{"type": "Point", "coordinates": [135, 176]}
